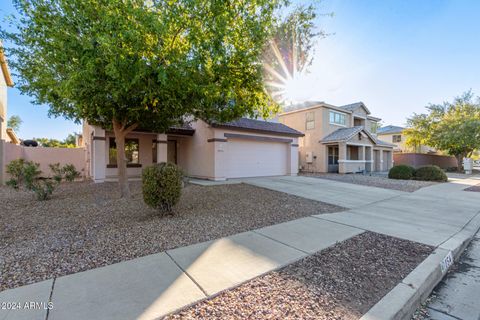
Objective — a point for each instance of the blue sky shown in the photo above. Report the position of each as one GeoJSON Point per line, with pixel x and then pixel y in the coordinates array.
{"type": "Point", "coordinates": [395, 56]}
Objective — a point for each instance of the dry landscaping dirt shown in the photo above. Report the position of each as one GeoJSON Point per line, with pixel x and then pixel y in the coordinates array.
{"type": "Point", "coordinates": [86, 225]}
{"type": "Point", "coordinates": [340, 282]}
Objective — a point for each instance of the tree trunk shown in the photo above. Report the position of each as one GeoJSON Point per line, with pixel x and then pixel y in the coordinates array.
{"type": "Point", "coordinates": [460, 161]}
{"type": "Point", "coordinates": [121, 131]}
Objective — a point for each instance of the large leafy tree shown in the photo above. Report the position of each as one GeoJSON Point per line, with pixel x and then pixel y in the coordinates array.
{"type": "Point", "coordinates": [134, 63]}
{"type": "Point", "coordinates": [453, 127]}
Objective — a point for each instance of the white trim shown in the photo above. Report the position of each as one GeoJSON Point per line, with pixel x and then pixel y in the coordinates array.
{"type": "Point", "coordinates": [354, 161]}
{"type": "Point", "coordinates": [359, 144]}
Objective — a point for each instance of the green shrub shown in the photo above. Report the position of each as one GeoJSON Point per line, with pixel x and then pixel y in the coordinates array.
{"type": "Point", "coordinates": [23, 173]}
{"type": "Point", "coordinates": [70, 172]}
{"type": "Point", "coordinates": [162, 186]}
{"type": "Point", "coordinates": [43, 188]}
{"type": "Point", "coordinates": [430, 173]}
{"type": "Point", "coordinates": [402, 172]}
{"type": "Point", "coordinates": [57, 172]}
{"type": "Point", "coordinates": [67, 172]}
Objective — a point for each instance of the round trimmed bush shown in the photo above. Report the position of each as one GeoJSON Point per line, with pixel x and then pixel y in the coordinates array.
{"type": "Point", "coordinates": [430, 173]}
{"type": "Point", "coordinates": [162, 186]}
{"type": "Point", "coordinates": [402, 172]}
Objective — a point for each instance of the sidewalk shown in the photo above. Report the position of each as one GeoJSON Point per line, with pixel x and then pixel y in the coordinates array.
{"type": "Point", "coordinates": [152, 286]}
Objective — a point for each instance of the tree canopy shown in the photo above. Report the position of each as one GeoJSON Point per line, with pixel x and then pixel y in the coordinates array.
{"type": "Point", "coordinates": [68, 142]}
{"type": "Point", "coordinates": [14, 122]}
{"type": "Point", "coordinates": [149, 64]}
{"type": "Point", "coordinates": [453, 127]}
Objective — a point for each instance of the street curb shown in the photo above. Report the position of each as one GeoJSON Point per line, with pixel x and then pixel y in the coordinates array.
{"type": "Point", "coordinates": [404, 299]}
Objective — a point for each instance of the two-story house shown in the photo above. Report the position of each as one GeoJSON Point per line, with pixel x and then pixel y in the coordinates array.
{"type": "Point", "coordinates": [338, 138]}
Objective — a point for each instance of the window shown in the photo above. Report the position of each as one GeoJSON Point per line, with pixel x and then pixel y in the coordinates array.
{"type": "Point", "coordinates": [154, 151]}
{"type": "Point", "coordinates": [131, 151]}
{"type": "Point", "coordinates": [337, 118]}
{"type": "Point", "coordinates": [397, 138]}
{"type": "Point", "coordinates": [310, 120]}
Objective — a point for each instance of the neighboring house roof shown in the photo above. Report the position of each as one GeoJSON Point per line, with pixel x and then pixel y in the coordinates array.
{"type": "Point", "coordinates": [4, 67]}
{"type": "Point", "coordinates": [384, 143]}
{"type": "Point", "coordinates": [390, 129]}
{"type": "Point", "coordinates": [353, 106]}
{"type": "Point", "coordinates": [12, 135]}
{"type": "Point", "coordinates": [345, 134]}
{"type": "Point", "coordinates": [260, 126]}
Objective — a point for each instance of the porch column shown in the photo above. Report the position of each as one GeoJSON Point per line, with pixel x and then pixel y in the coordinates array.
{"type": "Point", "coordinates": [361, 156]}
{"type": "Point", "coordinates": [162, 147]}
{"type": "Point", "coordinates": [380, 156]}
{"type": "Point", "coordinates": [342, 155]}
{"type": "Point", "coordinates": [99, 154]}
{"type": "Point", "coordinates": [369, 157]}
{"type": "Point", "coordinates": [292, 162]}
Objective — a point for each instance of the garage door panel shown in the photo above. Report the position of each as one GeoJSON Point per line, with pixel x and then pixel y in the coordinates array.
{"type": "Point", "coordinates": [247, 158]}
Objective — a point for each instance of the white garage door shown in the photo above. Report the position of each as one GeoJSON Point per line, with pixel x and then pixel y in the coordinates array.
{"type": "Point", "coordinates": [250, 158]}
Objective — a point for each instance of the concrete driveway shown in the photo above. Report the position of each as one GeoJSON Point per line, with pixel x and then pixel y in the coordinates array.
{"type": "Point", "coordinates": [339, 193]}
{"type": "Point", "coordinates": [431, 215]}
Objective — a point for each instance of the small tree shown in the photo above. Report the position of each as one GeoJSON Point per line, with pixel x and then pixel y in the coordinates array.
{"type": "Point", "coordinates": [14, 122]}
{"type": "Point", "coordinates": [452, 127]}
{"type": "Point", "coordinates": [131, 63]}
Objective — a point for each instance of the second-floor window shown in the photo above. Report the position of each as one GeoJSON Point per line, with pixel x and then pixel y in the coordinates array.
{"type": "Point", "coordinates": [337, 118]}
{"type": "Point", "coordinates": [310, 120]}
{"type": "Point", "coordinates": [397, 138]}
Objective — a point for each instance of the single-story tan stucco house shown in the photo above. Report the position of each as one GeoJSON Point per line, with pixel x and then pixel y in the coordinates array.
{"type": "Point", "coordinates": [338, 138]}
{"type": "Point", "coordinates": [214, 151]}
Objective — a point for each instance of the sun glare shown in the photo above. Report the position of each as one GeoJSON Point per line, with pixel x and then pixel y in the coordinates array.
{"type": "Point", "coordinates": [289, 85]}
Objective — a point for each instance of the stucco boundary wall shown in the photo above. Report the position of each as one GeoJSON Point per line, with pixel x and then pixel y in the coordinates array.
{"type": "Point", "coordinates": [42, 156]}
{"type": "Point", "coordinates": [420, 159]}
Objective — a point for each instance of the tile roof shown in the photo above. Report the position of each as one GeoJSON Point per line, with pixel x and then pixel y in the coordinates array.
{"type": "Point", "coordinates": [259, 125]}
{"type": "Point", "coordinates": [383, 143]}
{"type": "Point", "coordinates": [390, 129]}
{"type": "Point", "coordinates": [345, 134]}
{"type": "Point", "coordinates": [352, 106]}
{"type": "Point", "coordinates": [342, 134]}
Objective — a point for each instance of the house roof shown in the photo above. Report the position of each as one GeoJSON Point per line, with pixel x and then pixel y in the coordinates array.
{"type": "Point", "coordinates": [383, 143]}
{"type": "Point", "coordinates": [13, 136]}
{"type": "Point", "coordinates": [345, 134]}
{"type": "Point", "coordinates": [260, 126]}
{"type": "Point", "coordinates": [353, 106]}
{"type": "Point", "coordinates": [4, 67]}
{"type": "Point", "coordinates": [390, 129]}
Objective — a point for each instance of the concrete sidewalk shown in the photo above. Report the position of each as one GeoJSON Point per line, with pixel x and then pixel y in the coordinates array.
{"type": "Point", "coordinates": [152, 286]}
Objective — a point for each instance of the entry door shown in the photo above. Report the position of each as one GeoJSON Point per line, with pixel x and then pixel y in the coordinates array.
{"type": "Point", "coordinates": [172, 151]}
{"type": "Point", "coordinates": [333, 159]}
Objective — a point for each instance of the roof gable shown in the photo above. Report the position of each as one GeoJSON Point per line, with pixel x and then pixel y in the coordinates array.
{"type": "Point", "coordinates": [354, 106]}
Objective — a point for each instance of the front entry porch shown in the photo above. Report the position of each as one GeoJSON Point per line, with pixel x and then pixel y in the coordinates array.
{"type": "Point", "coordinates": [353, 158]}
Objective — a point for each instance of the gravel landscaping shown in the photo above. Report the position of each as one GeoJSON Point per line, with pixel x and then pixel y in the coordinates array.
{"type": "Point", "coordinates": [86, 225]}
{"type": "Point", "coordinates": [374, 181]}
{"type": "Point", "coordinates": [340, 282]}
